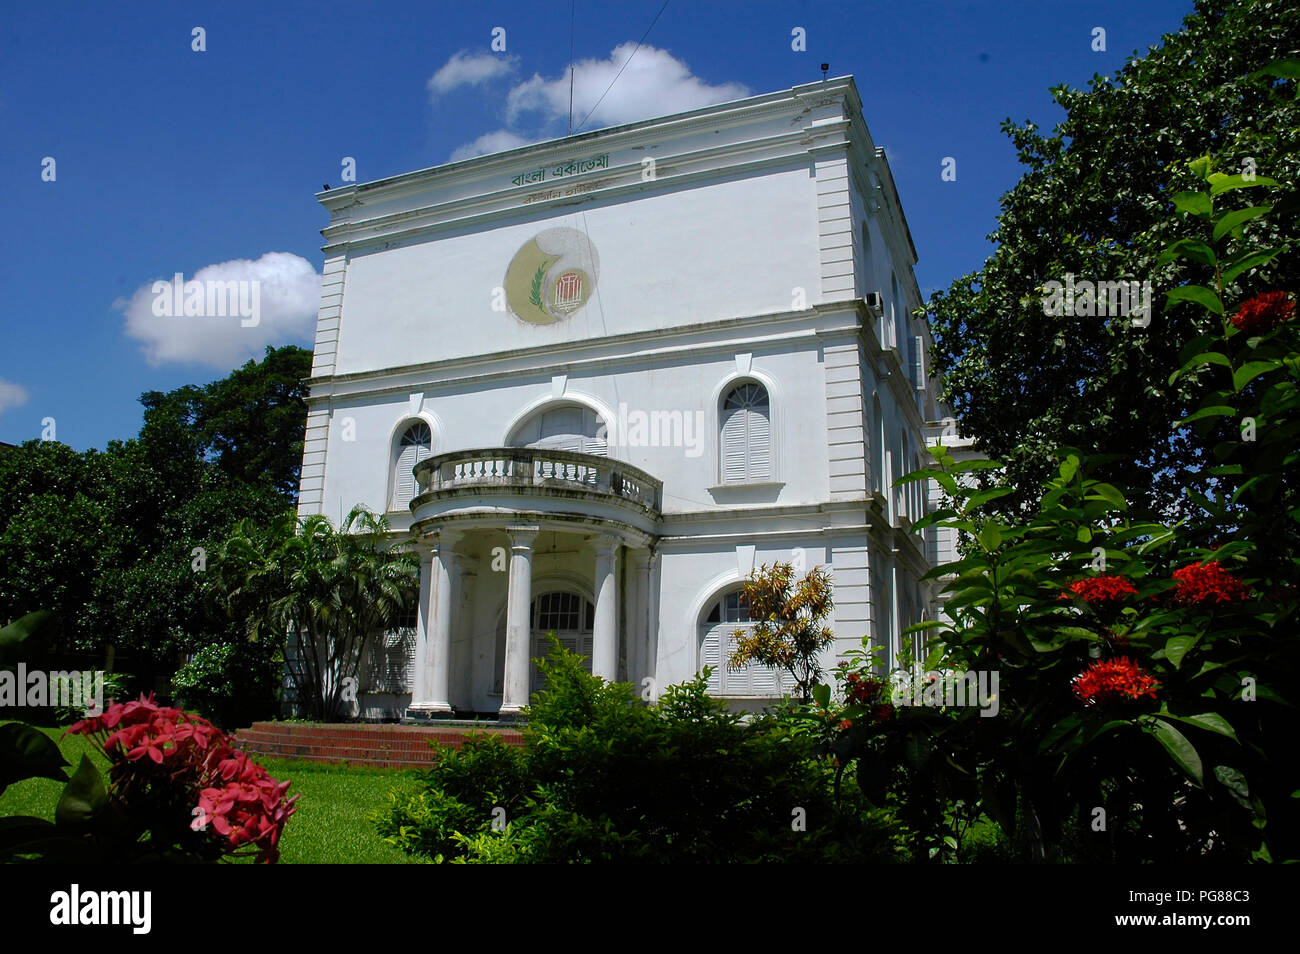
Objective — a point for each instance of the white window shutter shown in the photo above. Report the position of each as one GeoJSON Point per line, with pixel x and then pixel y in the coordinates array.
{"type": "Point", "coordinates": [760, 443]}
{"type": "Point", "coordinates": [918, 362]}
{"type": "Point", "coordinates": [734, 445]}
{"type": "Point", "coordinates": [405, 478]}
{"type": "Point", "coordinates": [711, 655]}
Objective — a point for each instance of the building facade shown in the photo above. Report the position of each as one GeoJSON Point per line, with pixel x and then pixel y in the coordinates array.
{"type": "Point", "coordinates": [603, 378]}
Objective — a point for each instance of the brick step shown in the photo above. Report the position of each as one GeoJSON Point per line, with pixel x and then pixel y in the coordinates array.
{"type": "Point", "coordinates": [387, 745]}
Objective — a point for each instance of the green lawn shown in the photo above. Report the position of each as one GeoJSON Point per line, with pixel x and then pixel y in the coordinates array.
{"type": "Point", "coordinates": [329, 827]}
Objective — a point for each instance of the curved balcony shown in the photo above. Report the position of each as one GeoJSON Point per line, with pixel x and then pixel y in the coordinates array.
{"type": "Point", "coordinates": [469, 484]}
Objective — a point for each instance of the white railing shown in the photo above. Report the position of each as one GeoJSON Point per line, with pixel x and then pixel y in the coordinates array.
{"type": "Point", "coordinates": [538, 467]}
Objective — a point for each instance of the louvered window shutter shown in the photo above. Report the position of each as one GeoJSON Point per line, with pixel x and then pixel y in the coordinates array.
{"type": "Point", "coordinates": [746, 435]}
{"type": "Point", "coordinates": [405, 478]}
{"type": "Point", "coordinates": [711, 655]}
{"type": "Point", "coordinates": [918, 362]}
{"type": "Point", "coordinates": [760, 443]}
{"type": "Point", "coordinates": [733, 445]}
{"type": "Point", "coordinates": [417, 445]}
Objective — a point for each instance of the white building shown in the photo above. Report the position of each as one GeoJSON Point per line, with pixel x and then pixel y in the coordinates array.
{"type": "Point", "coordinates": [630, 366]}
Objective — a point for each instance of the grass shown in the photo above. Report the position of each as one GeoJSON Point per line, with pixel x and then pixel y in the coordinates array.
{"type": "Point", "coordinates": [330, 826]}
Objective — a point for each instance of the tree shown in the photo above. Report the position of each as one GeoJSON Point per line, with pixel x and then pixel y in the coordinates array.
{"type": "Point", "coordinates": [115, 542]}
{"type": "Point", "coordinates": [318, 592]}
{"type": "Point", "coordinates": [788, 632]}
{"type": "Point", "coordinates": [1097, 203]}
{"type": "Point", "coordinates": [250, 423]}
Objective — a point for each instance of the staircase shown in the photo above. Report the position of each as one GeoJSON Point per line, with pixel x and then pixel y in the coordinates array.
{"type": "Point", "coordinates": [377, 746]}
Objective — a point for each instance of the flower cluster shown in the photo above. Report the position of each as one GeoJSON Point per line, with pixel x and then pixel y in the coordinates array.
{"type": "Point", "coordinates": [1265, 312]}
{"type": "Point", "coordinates": [1101, 589]}
{"type": "Point", "coordinates": [862, 689]}
{"type": "Point", "coordinates": [1208, 583]}
{"type": "Point", "coordinates": [870, 693]}
{"type": "Point", "coordinates": [245, 805]}
{"type": "Point", "coordinates": [1114, 680]}
{"type": "Point", "coordinates": [166, 761]}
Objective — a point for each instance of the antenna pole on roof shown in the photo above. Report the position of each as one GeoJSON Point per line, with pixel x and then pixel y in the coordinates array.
{"type": "Point", "coordinates": [572, 5]}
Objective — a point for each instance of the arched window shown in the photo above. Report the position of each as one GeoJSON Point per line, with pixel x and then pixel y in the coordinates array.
{"type": "Point", "coordinates": [879, 468]}
{"type": "Point", "coordinates": [866, 254]}
{"type": "Point", "coordinates": [894, 310]}
{"type": "Point", "coordinates": [727, 614]}
{"type": "Point", "coordinates": [569, 615]}
{"type": "Point", "coordinates": [746, 434]}
{"type": "Point", "coordinates": [905, 492]}
{"type": "Point", "coordinates": [569, 427]}
{"type": "Point", "coordinates": [415, 444]}
{"type": "Point", "coordinates": [390, 662]}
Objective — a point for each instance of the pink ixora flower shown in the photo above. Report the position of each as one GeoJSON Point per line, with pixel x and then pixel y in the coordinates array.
{"type": "Point", "coordinates": [153, 746]}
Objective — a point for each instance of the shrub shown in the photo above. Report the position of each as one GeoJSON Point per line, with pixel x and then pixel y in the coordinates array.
{"type": "Point", "coordinates": [604, 778]}
{"type": "Point", "coordinates": [233, 684]}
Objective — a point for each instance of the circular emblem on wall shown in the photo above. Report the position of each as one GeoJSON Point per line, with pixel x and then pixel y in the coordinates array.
{"type": "Point", "coordinates": [551, 276]}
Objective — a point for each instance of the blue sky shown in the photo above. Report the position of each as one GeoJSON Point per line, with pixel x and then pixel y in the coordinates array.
{"type": "Point", "coordinates": [170, 160]}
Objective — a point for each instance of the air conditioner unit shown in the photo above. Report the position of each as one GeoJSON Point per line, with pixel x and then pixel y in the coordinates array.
{"type": "Point", "coordinates": [875, 301]}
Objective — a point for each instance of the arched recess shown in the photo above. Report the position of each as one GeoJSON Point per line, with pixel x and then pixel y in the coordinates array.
{"type": "Point", "coordinates": [574, 422]}
{"type": "Point", "coordinates": [894, 309]}
{"type": "Point", "coordinates": [714, 618]}
{"type": "Point", "coordinates": [553, 604]}
{"type": "Point", "coordinates": [721, 391]}
{"type": "Point", "coordinates": [904, 463]}
{"type": "Point", "coordinates": [879, 465]}
{"type": "Point", "coordinates": [404, 453]}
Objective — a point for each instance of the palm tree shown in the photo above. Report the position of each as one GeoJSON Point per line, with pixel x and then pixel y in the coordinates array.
{"type": "Point", "coordinates": [322, 591]}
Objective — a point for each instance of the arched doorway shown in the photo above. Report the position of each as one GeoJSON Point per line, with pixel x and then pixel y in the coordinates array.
{"type": "Point", "coordinates": [570, 615]}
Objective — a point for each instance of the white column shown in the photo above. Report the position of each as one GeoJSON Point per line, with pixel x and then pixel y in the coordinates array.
{"type": "Point", "coordinates": [519, 603]}
{"type": "Point", "coordinates": [604, 641]}
{"type": "Point", "coordinates": [424, 626]}
{"type": "Point", "coordinates": [638, 615]}
{"type": "Point", "coordinates": [433, 679]}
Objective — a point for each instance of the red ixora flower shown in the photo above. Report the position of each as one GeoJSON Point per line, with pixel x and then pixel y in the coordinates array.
{"type": "Point", "coordinates": [1114, 680]}
{"type": "Point", "coordinates": [1101, 589]}
{"type": "Point", "coordinates": [1265, 312]}
{"type": "Point", "coordinates": [1208, 583]}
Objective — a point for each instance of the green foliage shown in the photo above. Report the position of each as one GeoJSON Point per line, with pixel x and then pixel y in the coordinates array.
{"type": "Point", "coordinates": [232, 684]}
{"type": "Point", "coordinates": [106, 539]}
{"type": "Point", "coordinates": [789, 630]}
{"type": "Point", "coordinates": [303, 584]}
{"type": "Point", "coordinates": [1101, 198]}
{"type": "Point", "coordinates": [604, 778]}
{"type": "Point", "coordinates": [1145, 701]}
{"type": "Point", "coordinates": [457, 796]}
{"type": "Point", "coordinates": [116, 686]}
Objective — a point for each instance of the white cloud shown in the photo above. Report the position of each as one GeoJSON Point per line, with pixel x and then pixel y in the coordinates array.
{"type": "Point", "coordinates": [498, 141]}
{"type": "Point", "coordinates": [469, 69]}
{"type": "Point", "coordinates": [655, 83]}
{"type": "Point", "coordinates": [11, 395]}
{"type": "Point", "coordinates": [270, 301]}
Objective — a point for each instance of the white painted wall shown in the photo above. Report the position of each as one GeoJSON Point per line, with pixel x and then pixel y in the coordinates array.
{"type": "Point", "coordinates": [747, 228]}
